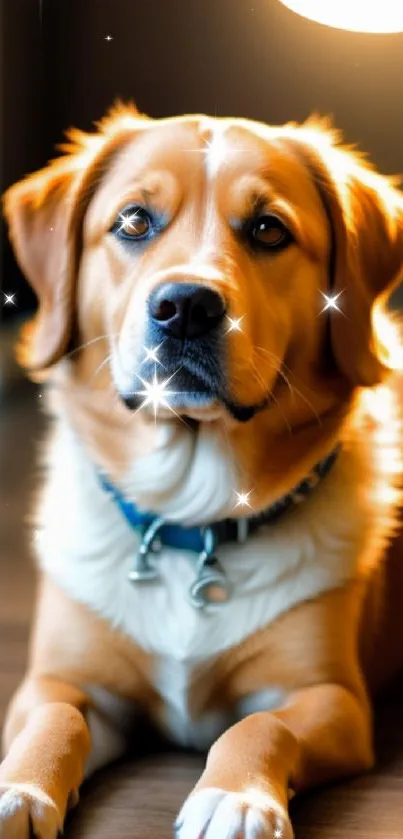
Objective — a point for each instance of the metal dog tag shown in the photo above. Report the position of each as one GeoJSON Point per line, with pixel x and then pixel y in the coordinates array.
{"type": "Point", "coordinates": [211, 586]}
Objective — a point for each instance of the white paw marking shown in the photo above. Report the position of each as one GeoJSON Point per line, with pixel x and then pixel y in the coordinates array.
{"type": "Point", "coordinates": [217, 814]}
{"type": "Point", "coordinates": [24, 807]}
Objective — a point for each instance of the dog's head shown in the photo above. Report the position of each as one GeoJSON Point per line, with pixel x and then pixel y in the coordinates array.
{"type": "Point", "coordinates": [220, 265]}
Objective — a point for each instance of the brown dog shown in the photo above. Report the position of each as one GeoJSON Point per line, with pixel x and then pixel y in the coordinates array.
{"type": "Point", "coordinates": [224, 380]}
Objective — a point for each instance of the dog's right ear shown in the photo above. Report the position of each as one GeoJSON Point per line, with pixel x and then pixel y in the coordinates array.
{"type": "Point", "coordinates": [45, 213]}
{"type": "Point", "coordinates": [41, 213]}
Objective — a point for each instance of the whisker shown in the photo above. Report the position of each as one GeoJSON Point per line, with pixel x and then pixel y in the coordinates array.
{"type": "Point", "coordinates": [276, 401]}
{"type": "Point", "coordinates": [100, 367]}
{"type": "Point", "coordinates": [111, 335]}
{"type": "Point", "coordinates": [309, 404]}
{"type": "Point", "coordinates": [292, 388]}
{"type": "Point", "coordinates": [278, 361]}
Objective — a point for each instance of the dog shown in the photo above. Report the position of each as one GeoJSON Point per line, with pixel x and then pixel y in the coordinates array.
{"type": "Point", "coordinates": [218, 528]}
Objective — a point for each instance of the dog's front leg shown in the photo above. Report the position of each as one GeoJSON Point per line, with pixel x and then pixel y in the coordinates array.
{"type": "Point", "coordinates": [323, 733]}
{"type": "Point", "coordinates": [46, 744]}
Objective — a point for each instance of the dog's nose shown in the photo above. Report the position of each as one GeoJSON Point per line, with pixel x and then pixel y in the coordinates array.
{"type": "Point", "coordinates": [185, 310]}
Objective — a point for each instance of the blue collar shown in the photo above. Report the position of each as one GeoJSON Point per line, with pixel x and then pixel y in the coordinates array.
{"type": "Point", "coordinates": [155, 531]}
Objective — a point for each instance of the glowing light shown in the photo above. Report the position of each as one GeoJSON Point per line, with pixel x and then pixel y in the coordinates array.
{"type": "Point", "coordinates": [155, 393]}
{"type": "Point", "coordinates": [217, 152]}
{"type": "Point", "coordinates": [278, 833]}
{"type": "Point", "coordinates": [388, 334]}
{"type": "Point", "coordinates": [151, 354]}
{"type": "Point", "coordinates": [354, 15]}
{"type": "Point", "coordinates": [243, 499]}
{"type": "Point", "coordinates": [9, 299]}
{"type": "Point", "coordinates": [331, 302]}
{"type": "Point", "coordinates": [127, 222]}
{"type": "Point", "coordinates": [235, 324]}
{"type": "Point", "coordinates": [108, 38]}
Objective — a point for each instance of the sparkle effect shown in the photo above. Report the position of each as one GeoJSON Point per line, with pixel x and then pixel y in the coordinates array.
{"type": "Point", "coordinates": [216, 152]}
{"type": "Point", "coordinates": [331, 302]}
{"type": "Point", "coordinates": [151, 354]}
{"type": "Point", "coordinates": [278, 833]}
{"type": "Point", "coordinates": [108, 38]}
{"type": "Point", "coordinates": [235, 324]}
{"type": "Point", "coordinates": [243, 499]}
{"type": "Point", "coordinates": [9, 299]}
{"type": "Point", "coordinates": [127, 223]}
{"type": "Point", "coordinates": [155, 393]}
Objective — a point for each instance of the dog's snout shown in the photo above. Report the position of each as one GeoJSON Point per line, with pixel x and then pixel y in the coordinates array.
{"type": "Point", "coordinates": [185, 310]}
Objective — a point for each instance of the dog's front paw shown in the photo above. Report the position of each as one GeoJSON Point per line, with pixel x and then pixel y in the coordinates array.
{"type": "Point", "coordinates": [26, 810]}
{"type": "Point", "coordinates": [217, 814]}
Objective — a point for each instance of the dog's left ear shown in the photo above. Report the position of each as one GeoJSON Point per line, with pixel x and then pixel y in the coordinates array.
{"type": "Point", "coordinates": [365, 212]}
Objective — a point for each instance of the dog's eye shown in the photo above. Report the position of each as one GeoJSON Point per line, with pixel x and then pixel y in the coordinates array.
{"type": "Point", "coordinates": [269, 232]}
{"type": "Point", "coordinates": [133, 223]}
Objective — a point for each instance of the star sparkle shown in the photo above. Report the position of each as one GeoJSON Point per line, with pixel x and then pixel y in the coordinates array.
{"type": "Point", "coordinates": [108, 38]}
{"type": "Point", "coordinates": [243, 499]}
{"type": "Point", "coordinates": [127, 222]}
{"type": "Point", "coordinates": [278, 833]}
{"type": "Point", "coordinates": [9, 299]}
{"type": "Point", "coordinates": [152, 354]}
{"type": "Point", "coordinates": [331, 302]}
{"type": "Point", "coordinates": [235, 324]}
{"type": "Point", "coordinates": [217, 152]}
{"type": "Point", "coordinates": [156, 394]}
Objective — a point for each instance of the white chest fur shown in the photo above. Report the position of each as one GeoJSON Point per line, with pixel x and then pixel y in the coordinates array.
{"type": "Point", "coordinates": [87, 547]}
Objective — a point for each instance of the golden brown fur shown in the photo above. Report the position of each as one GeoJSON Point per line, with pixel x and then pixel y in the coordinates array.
{"type": "Point", "coordinates": [347, 221]}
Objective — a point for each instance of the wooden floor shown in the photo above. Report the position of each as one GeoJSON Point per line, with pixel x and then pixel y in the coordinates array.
{"type": "Point", "coordinates": [140, 797]}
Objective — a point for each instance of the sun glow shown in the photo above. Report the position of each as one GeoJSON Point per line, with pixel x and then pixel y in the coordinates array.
{"type": "Point", "coordinates": [354, 15]}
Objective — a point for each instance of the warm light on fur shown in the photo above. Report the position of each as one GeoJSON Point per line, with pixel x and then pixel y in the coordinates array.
{"type": "Point", "coordinates": [313, 623]}
{"type": "Point", "coordinates": [72, 178]}
{"type": "Point", "coordinates": [281, 342]}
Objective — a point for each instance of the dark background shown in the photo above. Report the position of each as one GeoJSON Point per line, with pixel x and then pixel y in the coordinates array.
{"type": "Point", "coordinates": [251, 58]}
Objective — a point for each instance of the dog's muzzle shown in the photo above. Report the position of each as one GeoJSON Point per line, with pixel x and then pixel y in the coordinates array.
{"type": "Point", "coordinates": [185, 326]}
